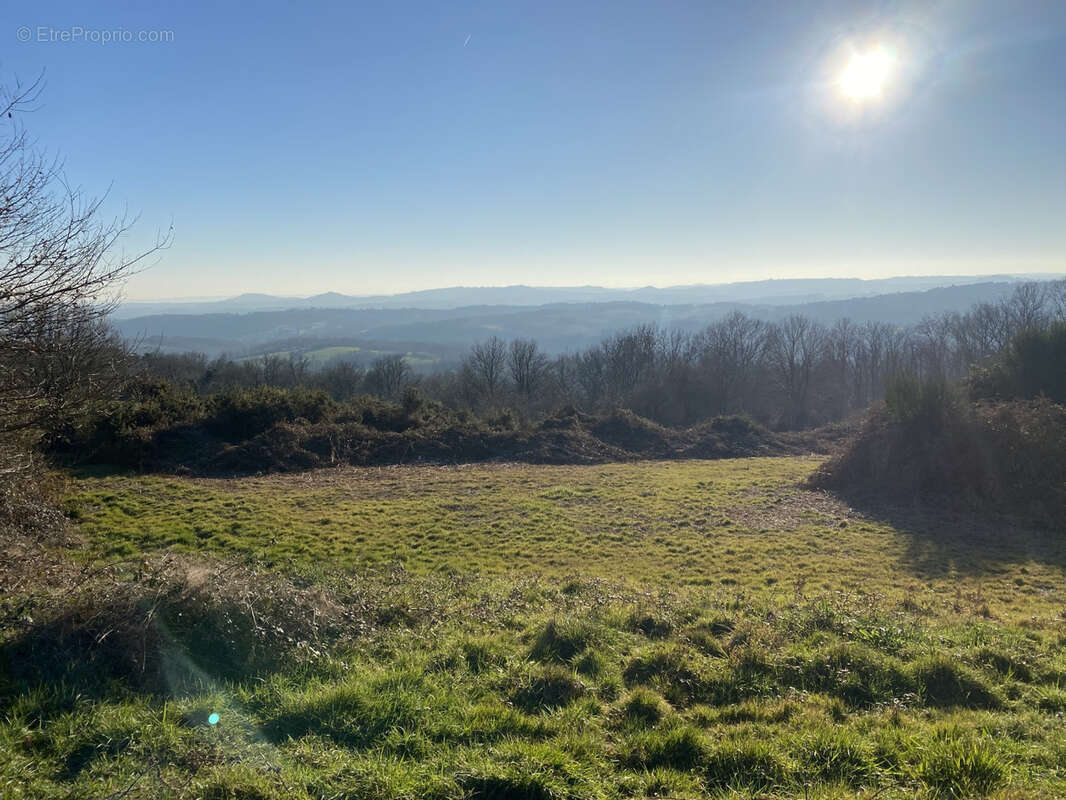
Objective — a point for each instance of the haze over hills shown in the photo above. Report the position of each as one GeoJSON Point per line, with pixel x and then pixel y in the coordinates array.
{"type": "Point", "coordinates": [770, 292]}
{"type": "Point", "coordinates": [442, 333]}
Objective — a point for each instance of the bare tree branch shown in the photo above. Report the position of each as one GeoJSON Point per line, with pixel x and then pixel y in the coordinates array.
{"type": "Point", "coordinates": [60, 271]}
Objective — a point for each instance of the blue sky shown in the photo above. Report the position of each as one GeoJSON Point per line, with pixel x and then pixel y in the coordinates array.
{"type": "Point", "coordinates": [378, 147]}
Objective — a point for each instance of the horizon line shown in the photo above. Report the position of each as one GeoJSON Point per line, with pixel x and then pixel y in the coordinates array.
{"type": "Point", "coordinates": [663, 287]}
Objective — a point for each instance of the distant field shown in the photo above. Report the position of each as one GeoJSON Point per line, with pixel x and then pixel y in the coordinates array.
{"type": "Point", "coordinates": [326, 353]}
{"type": "Point", "coordinates": [741, 523]}
{"type": "Point", "coordinates": [656, 629]}
{"type": "Point", "coordinates": [321, 355]}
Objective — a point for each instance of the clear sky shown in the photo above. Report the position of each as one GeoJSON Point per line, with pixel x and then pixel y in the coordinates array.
{"type": "Point", "coordinates": [387, 146]}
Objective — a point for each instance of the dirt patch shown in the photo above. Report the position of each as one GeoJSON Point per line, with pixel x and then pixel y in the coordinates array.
{"type": "Point", "coordinates": [787, 509]}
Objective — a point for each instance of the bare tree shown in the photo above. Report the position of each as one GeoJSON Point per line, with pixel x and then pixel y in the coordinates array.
{"type": "Point", "coordinates": [75, 361]}
{"type": "Point", "coordinates": [591, 368]}
{"type": "Point", "coordinates": [271, 370]}
{"type": "Point", "coordinates": [60, 269]}
{"type": "Point", "coordinates": [1027, 307]}
{"type": "Point", "coordinates": [628, 359]}
{"type": "Point", "coordinates": [669, 394]}
{"type": "Point", "coordinates": [794, 346]}
{"type": "Point", "coordinates": [341, 380]}
{"type": "Point", "coordinates": [729, 352]}
{"type": "Point", "coordinates": [1056, 294]}
{"type": "Point", "coordinates": [487, 364]}
{"type": "Point", "coordinates": [388, 375]}
{"type": "Point", "coordinates": [987, 329]}
{"type": "Point", "coordinates": [931, 345]}
{"type": "Point", "coordinates": [875, 342]}
{"type": "Point", "coordinates": [527, 364]}
{"type": "Point", "coordinates": [562, 376]}
{"type": "Point", "coordinates": [841, 352]}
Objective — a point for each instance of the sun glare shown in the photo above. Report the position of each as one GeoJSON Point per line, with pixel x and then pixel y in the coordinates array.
{"type": "Point", "coordinates": [866, 74]}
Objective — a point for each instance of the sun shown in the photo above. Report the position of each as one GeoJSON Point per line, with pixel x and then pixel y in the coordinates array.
{"type": "Point", "coordinates": [866, 74]}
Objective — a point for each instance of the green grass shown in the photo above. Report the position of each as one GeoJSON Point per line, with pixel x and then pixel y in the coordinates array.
{"type": "Point", "coordinates": [682, 629]}
{"type": "Point", "coordinates": [326, 353]}
{"type": "Point", "coordinates": [741, 523]}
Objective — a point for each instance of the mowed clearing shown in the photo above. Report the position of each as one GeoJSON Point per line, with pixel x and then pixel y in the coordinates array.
{"type": "Point", "coordinates": [743, 523]}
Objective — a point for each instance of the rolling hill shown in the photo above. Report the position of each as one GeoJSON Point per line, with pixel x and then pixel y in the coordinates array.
{"type": "Point", "coordinates": [558, 327]}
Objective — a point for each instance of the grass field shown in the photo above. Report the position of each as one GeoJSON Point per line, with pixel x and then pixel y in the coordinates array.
{"type": "Point", "coordinates": [742, 523]}
{"type": "Point", "coordinates": [674, 629]}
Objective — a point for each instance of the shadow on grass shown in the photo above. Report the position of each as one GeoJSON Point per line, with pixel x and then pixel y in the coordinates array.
{"type": "Point", "coordinates": [86, 471]}
{"type": "Point", "coordinates": [944, 541]}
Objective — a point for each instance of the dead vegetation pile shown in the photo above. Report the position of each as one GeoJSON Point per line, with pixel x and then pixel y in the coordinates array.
{"type": "Point", "coordinates": [163, 623]}
{"type": "Point", "coordinates": [572, 438]}
{"type": "Point", "coordinates": [33, 532]}
{"type": "Point", "coordinates": [569, 437]}
{"type": "Point", "coordinates": [160, 427]}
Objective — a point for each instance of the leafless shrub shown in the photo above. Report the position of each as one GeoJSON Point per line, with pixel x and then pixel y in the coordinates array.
{"type": "Point", "coordinates": [60, 266]}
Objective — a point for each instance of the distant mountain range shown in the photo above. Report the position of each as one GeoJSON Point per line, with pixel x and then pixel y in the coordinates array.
{"type": "Point", "coordinates": [767, 292]}
{"type": "Point", "coordinates": [439, 332]}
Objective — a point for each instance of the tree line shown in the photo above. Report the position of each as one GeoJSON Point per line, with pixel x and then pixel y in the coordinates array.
{"type": "Point", "coordinates": [790, 374]}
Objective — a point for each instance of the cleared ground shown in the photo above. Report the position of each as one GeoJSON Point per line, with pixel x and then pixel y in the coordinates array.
{"type": "Point", "coordinates": [656, 629]}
